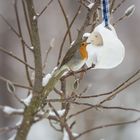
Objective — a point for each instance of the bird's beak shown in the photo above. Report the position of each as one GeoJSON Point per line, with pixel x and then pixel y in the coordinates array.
{"type": "Point", "coordinates": [88, 43]}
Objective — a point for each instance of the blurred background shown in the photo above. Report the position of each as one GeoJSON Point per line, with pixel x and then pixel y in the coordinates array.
{"type": "Point", "coordinates": [52, 26]}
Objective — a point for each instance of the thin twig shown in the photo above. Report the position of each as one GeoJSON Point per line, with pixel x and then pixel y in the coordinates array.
{"type": "Point", "coordinates": [15, 57]}
{"type": "Point", "coordinates": [118, 20]}
{"type": "Point", "coordinates": [44, 9]}
{"type": "Point", "coordinates": [22, 43]}
{"type": "Point", "coordinates": [46, 57]}
{"type": "Point", "coordinates": [118, 6]}
{"type": "Point", "coordinates": [62, 44]}
{"type": "Point", "coordinates": [112, 6]}
{"type": "Point", "coordinates": [53, 126]}
{"type": "Point", "coordinates": [107, 125]}
{"type": "Point", "coordinates": [16, 84]}
{"type": "Point", "coordinates": [123, 86]}
{"type": "Point", "coordinates": [120, 108]}
{"type": "Point", "coordinates": [103, 107]}
{"type": "Point", "coordinates": [76, 72]}
{"type": "Point", "coordinates": [26, 18]}
{"type": "Point", "coordinates": [63, 95]}
{"type": "Point", "coordinates": [66, 19]}
{"type": "Point", "coordinates": [59, 92]}
{"type": "Point", "coordinates": [15, 32]}
{"type": "Point", "coordinates": [22, 86]}
{"type": "Point", "coordinates": [8, 129]}
{"type": "Point", "coordinates": [63, 123]}
{"type": "Point", "coordinates": [95, 96]}
{"type": "Point", "coordinates": [114, 90]}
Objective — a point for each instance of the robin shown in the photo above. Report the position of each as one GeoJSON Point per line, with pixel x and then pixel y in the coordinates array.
{"type": "Point", "coordinates": [76, 57]}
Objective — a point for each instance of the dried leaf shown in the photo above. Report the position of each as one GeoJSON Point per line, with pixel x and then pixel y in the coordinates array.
{"type": "Point", "coordinates": [10, 86]}
{"type": "Point", "coordinates": [130, 10]}
{"type": "Point", "coordinates": [76, 84]}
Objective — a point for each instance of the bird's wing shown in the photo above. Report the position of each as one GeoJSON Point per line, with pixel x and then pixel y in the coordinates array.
{"type": "Point", "coordinates": [70, 53]}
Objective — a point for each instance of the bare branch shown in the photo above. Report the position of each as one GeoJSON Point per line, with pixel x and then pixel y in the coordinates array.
{"type": "Point", "coordinates": [22, 43]}
{"type": "Point", "coordinates": [44, 9]}
{"type": "Point", "coordinates": [112, 5]}
{"type": "Point", "coordinates": [47, 53]}
{"type": "Point", "coordinates": [8, 129]}
{"type": "Point", "coordinates": [66, 20]}
{"type": "Point", "coordinates": [15, 57]}
{"type": "Point", "coordinates": [16, 84]}
{"type": "Point", "coordinates": [62, 44]}
{"type": "Point", "coordinates": [123, 86]}
{"type": "Point", "coordinates": [103, 107]}
{"type": "Point", "coordinates": [26, 18]}
{"type": "Point", "coordinates": [16, 33]}
{"type": "Point", "coordinates": [118, 6]}
{"type": "Point", "coordinates": [76, 72]}
{"type": "Point", "coordinates": [31, 110]}
{"type": "Point", "coordinates": [107, 125]}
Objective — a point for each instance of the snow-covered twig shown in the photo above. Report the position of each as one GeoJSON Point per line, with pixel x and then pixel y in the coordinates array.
{"type": "Point", "coordinates": [60, 113]}
{"type": "Point", "coordinates": [46, 79]}
{"type": "Point", "coordinates": [27, 100]}
{"type": "Point", "coordinates": [90, 5]}
{"type": "Point", "coordinates": [9, 110]}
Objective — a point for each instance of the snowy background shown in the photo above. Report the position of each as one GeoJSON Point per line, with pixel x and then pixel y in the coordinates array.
{"type": "Point", "coordinates": [52, 25]}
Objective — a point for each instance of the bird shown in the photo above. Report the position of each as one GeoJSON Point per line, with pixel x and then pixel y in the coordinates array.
{"type": "Point", "coordinates": [75, 57]}
{"type": "Point", "coordinates": [73, 60]}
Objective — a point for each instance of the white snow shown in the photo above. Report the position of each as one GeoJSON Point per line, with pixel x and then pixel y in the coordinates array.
{"type": "Point", "coordinates": [65, 73]}
{"type": "Point", "coordinates": [86, 35]}
{"type": "Point", "coordinates": [28, 99]}
{"type": "Point", "coordinates": [55, 68]}
{"type": "Point", "coordinates": [110, 54]}
{"type": "Point", "coordinates": [52, 42]}
{"type": "Point", "coordinates": [10, 86]}
{"type": "Point", "coordinates": [32, 47]}
{"type": "Point", "coordinates": [72, 42]}
{"type": "Point", "coordinates": [48, 76]}
{"type": "Point", "coordinates": [9, 110]}
{"type": "Point", "coordinates": [19, 122]}
{"type": "Point", "coordinates": [46, 79]}
{"type": "Point", "coordinates": [60, 113]}
{"type": "Point", "coordinates": [34, 17]}
{"type": "Point", "coordinates": [33, 76]}
{"type": "Point", "coordinates": [13, 137]}
{"type": "Point", "coordinates": [66, 136]}
{"type": "Point", "coordinates": [90, 5]}
{"type": "Point", "coordinates": [75, 134]}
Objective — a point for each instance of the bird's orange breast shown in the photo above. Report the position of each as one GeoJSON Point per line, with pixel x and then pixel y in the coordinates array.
{"type": "Point", "coordinates": [83, 52]}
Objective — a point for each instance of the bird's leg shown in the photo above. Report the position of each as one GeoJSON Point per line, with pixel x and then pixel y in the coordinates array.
{"type": "Point", "coordinates": [82, 73]}
{"type": "Point", "coordinates": [73, 73]}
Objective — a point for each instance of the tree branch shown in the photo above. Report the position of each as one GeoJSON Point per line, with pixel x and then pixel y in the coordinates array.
{"type": "Point", "coordinates": [22, 43]}
{"type": "Point", "coordinates": [15, 57]}
{"type": "Point", "coordinates": [107, 125]}
{"type": "Point", "coordinates": [66, 19]}
{"type": "Point", "coordinates": [37, 88]}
